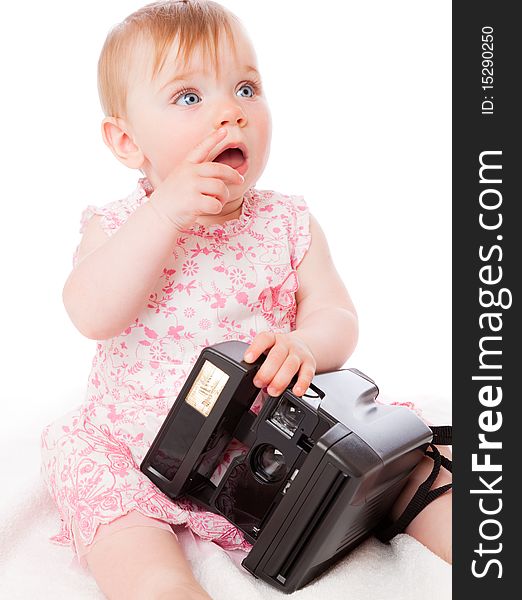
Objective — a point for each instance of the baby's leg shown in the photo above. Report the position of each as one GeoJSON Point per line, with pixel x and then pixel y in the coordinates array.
{"type": "Point", "coordinates": [142, 563]}
{"type": "Point", "coordinates": [432, 526]}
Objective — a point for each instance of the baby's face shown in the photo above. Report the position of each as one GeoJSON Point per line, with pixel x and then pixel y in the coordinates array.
{"type": "Point", "coordinates": [168, 118]}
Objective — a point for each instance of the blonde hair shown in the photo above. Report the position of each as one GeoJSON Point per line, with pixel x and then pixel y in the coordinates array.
{"type": "Point", "coordinates": [198, 23]}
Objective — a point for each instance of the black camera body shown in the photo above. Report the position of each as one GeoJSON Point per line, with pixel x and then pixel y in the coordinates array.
{"type": "Point", "coordinates": [321, 470]}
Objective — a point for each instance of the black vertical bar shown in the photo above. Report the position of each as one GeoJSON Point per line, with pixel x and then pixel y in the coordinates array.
{"type": "Point", "coordinates": [486, 256]}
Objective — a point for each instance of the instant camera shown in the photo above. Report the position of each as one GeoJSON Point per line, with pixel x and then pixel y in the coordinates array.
{"type": "Point", "coordinates": [321, 471]}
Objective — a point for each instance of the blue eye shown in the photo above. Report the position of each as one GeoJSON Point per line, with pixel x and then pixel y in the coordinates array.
{"type": "Point", "coordinates": [191, 94]}
{"type": "Point", "coordinates": [248, 85]}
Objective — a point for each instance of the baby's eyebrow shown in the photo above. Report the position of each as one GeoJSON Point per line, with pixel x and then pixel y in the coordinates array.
{"type": "Point", "coordinates": [185, 74]}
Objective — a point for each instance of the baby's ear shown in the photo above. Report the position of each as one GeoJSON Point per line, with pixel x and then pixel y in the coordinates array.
{"type": "Point", "coordinates": [116, 135]}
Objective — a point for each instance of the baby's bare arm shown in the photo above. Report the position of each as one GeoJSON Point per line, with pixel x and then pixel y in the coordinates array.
{"type": "Point", "coordinates": [115, 275]}
{"type": "Point", "coordinates": [326, 318]}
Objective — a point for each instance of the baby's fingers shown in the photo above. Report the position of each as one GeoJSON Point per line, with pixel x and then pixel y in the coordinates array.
{"type": "Point", "coordinates": [220, 171]}
{"type": "Point", "coordinates": [262, 341]}
{"type": "Point", "coordinates": [284, 375]}
{"type": "Point", "coordinates": [201, 152]}
{"type": "Point", "coordinates": [306, 375]}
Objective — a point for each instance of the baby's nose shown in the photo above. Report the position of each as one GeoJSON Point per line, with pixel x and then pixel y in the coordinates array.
{"type": "Point", "coordinates": [240, 120]}
{"type": "Point", "coordinates": [231, 115]}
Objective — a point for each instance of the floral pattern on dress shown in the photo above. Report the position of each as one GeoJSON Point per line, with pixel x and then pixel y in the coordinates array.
{"type": "Point", "coordinates": [222, 282]}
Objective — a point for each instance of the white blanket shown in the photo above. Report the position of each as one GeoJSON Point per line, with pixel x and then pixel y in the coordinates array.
{"type": "Point", "coordinates": [32, 567]}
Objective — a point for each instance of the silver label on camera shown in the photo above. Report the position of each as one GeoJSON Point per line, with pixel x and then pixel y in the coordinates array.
{"type": "Point", "coordinates": [205, 390]}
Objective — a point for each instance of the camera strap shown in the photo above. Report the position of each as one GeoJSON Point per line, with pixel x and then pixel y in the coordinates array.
{"type": "Point", "coordinates": [424, 495]}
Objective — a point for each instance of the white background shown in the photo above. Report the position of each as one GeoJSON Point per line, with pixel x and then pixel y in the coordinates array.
{"type": "Point", "coordinates": [360, 101]}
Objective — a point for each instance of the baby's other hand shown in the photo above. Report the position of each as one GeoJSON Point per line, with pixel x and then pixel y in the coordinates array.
{"type": "Point", "coordinates": [288, 355]}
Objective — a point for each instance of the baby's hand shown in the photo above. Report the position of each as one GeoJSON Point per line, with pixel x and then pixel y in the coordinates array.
{"type": "Point", "coordinates": [288, 355]}
{"type": "Point", "coordinates": [196, 186]}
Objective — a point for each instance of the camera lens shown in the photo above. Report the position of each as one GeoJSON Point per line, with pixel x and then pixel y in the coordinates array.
{"type": "Point", "coordinates": [287, 416]}
{"type": "Point", "coordinates": [268, 463]}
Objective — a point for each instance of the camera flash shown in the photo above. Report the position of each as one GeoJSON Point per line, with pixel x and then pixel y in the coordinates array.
{"type": "Point", "coordinates": [286, 416]}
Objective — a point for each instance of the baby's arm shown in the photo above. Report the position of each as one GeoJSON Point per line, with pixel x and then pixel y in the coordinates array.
{"type": "Point", "coordinates": [326, 325]}
{"type": "Point", "coordinates": [326, 319]}
{"type": "Point", "coordinates": [115, 275]}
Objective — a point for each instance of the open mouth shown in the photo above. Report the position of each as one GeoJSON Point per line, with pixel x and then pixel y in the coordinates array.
{"type": "Point", "coordinates": [233, 157]}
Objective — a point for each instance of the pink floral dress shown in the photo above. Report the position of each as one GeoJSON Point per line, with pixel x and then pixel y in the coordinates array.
{"type": "Point", "coordinates": [222, 282]}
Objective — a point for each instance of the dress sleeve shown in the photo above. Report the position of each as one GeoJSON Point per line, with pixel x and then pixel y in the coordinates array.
{"type": "Point", "coordinates": [300, 237]}
{"type": "Point", "coordinates": [113, 214]}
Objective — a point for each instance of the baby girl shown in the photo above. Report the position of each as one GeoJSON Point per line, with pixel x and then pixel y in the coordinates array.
{"type": "Point", "coordinates": [195, 255]}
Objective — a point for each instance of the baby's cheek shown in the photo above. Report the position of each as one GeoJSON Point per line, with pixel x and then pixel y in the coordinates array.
{"type": "Point", "coordinates": [168, 158]}
{"type": "Point", "coordinates": [262, 119]}
{"type": "Point", "coordinates": [266, 122]}
{"type": "Point", "coordinates": [164, 149]}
